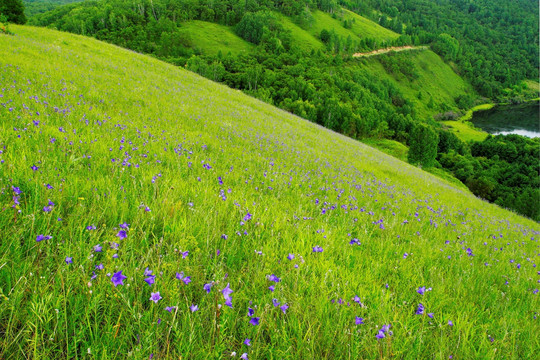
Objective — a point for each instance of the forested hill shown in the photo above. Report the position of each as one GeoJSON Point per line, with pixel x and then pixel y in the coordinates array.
{"type": "Point", "coordinates": [34, 7]}
{"type": "Point", "coordinates": [493, 42]}
{"type": "Point", "coordinates": [298, 56]}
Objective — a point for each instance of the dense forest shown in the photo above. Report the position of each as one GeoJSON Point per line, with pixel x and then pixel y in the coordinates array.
{"type": "Point", "coordinates": [34, 7]}
{"type": "Point", "coordinates": [492, 44]}
{"type": "Point", "coordinates": [503, 169]}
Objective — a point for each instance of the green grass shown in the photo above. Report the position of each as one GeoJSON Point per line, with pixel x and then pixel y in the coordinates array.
{"type": "Point", "coordinates": [362, 28]}
{"type": "Point", "coordinates": [120, 132]}
{"type": "Point", "coordinates": [469, 114]}
{"type": "Point", "coordinates": [390, 147]}
{"type": "Point", "coordinates": [466, 131]}
{"type": "Point", "coordinates": [211, 38]}
{"type": "Point", "coordinates": [365, 28]}
{"type": "Point", "coordinates": [400, 151]}
{"type": "Point", "coordinates": [436, 80]}
{"type": "Point", "coordinates": [301, 39]}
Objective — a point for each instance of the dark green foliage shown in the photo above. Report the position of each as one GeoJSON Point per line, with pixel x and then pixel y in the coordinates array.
{"type": "Point", "coordinates": [493, 42]}
{"type": "Point", "coordinates": [501, 169]}
{"type": "Point", "coordinates": [252, 25]}
{"type": "Point", "coordinates": [423, 142]}
{"type": "Point", "coordinates": [325, 36]}
{"type": "Point", "coordinates": [34, 7]}
{"type": "Point", "coordinates": [13, 10]}
{"type": "Point", "coordinates": [448, 141]}
{"type": "Point", "coordinates": [399, 64]}
{"type": "Point", "coordinates": [446, 46]}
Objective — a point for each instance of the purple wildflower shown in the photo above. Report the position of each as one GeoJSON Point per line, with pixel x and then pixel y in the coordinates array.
{"type": "Point", "coordinates": [193, 308]}
{"type": "Point", "coordinates": [150, 279]}
{"type": "Point", "coordinates": [122, 234]}
{"type": "Point", "coordinates": [207, 287]}
{"type": "Point", "coordinates": [69, 260]}
{"type": "Point", "coordinates": [254, 321]}
{"type": "Point", "coordinates": [118, 278]}
{"type": "Point", "coordinates": [43, 237]}
{"type": "Point", "coordinates": [98, 248]}
{"type": "Point", "coordinates": [155, 297]}
{"type": "Point", "coordinates": [358, 320]}
{"type": "Point", "coordinates": [284, 308]}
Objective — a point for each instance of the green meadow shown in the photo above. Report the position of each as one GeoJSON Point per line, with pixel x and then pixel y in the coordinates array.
{"type": "Point", "coordinates": [211, 38]}
{"type": "Point", "coordinates": [147, 212]}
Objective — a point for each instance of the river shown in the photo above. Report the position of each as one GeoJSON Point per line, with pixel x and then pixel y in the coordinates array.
{"type": "Point", "coordinates": [521, 119]}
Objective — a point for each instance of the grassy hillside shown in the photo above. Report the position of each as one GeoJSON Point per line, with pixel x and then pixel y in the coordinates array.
{"type": "Point", "coordinates": [360, 27]}
{"type": "Point", "coordinates": [211, 38]}
{"type": "Point", "coordinates": [136, 194]}
{"type": "Point", "coordinates": [434, 80]}
{"type": "Point", "coordinates": [301, 39]}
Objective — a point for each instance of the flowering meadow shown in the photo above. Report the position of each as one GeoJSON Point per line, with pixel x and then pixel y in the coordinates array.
{"type": "Point", "coordinates": [146, 212]}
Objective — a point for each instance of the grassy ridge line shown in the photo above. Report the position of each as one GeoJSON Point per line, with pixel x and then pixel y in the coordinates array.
{"type": "Point", "coordinates": [152, 106]}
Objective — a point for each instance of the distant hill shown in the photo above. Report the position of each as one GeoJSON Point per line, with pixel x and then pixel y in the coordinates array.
{"type": "Point", "coordinates": [35, 7]}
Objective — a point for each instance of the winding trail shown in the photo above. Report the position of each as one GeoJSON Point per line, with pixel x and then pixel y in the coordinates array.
{"type": "Point", "coordinates": [387, 50]}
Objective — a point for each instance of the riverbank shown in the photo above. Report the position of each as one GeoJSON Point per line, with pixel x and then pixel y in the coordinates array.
{"type": "Point", "coordinates": [467, 131]}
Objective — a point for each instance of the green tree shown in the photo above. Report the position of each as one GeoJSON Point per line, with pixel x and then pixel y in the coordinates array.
{"type": "Point", "coordinates": [13, 10]}
{"type": "Point", "coordinates": [423, 143]}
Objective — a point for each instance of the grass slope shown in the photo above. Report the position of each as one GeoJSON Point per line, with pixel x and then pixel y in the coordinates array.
{"type": "Point", "coordinates": [93, 136]}
{"type": "Point", "coordinates": [211, 38]}
{"type": "Point", "coordinates": [301, 39]}
{"type": "Point", "coordinates": [436, 80]}
{"type": "Point", "coordinates": [361, 28]}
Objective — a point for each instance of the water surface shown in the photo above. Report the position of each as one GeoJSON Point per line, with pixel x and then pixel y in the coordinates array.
{"type": "Point", "coordinates": [512, 119]}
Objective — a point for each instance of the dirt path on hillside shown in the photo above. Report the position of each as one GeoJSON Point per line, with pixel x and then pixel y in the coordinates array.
{"type": "Point", "coordinates": [386, 50]}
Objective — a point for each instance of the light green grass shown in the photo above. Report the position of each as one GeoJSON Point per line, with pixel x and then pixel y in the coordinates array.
{"type": "Point", "coordinates": [212, 38]}
{"type": "Point", "coordinates": [303, 185]}
{"type": "Point", "coordinates": [466, 131]}
{"type": "Point", "coordinates": [301, 38]}
{"type": "Point", "coordinates": [469, 114]}
{"type": "Point", "coordinates": [390, 147]}
{"type": "Point", "coordinates": [365, 28]}
{"type": "Point", "coordinates": [361, 28]}
{"type": "Point", "coordinates": [400, 151]}
{"type": "Point", "coordinates": [435, 80]}
{"type": "Point", "coordinates": [308, 39]}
